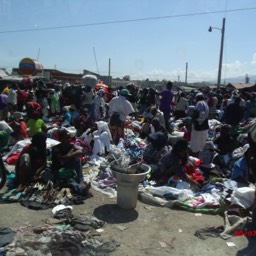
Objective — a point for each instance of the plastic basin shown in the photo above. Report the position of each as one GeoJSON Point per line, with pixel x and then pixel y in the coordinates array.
{"type": "Point", "coordinates": [127, 187]}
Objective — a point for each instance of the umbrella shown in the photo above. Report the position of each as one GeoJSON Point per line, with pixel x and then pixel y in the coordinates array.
{"type": "Point", "coordinates": [101, 86]}
{"type": "Point", "coordinates": [89, 80]}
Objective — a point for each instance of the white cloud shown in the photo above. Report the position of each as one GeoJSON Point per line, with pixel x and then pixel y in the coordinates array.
{"type": "Point", "coordinates": [229, 70]}
{"type": "Point", "coordinates": [253, 61]}
{"type": "Point", "coordinates": [232, 69]}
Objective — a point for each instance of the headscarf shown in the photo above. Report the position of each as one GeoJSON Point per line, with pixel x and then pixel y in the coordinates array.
{"type": "Point", "coordinates": [102, 127]}
{"type": "Point", "coordinates": [158, 140]}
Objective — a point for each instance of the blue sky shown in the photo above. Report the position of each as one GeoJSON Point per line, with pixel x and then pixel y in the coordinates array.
{"type": "Point", "coordinates": [156, 48]}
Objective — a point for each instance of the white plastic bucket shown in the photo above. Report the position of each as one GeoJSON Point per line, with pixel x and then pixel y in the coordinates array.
{"type": "Point", "coordinates": [127, 187]}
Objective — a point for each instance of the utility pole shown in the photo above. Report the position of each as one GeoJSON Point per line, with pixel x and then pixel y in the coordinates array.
{"type": "Point", "coordinates": [221, 51]}
{"type": "Point", "coordinates": [109, 67]}
{"type": "Point", "coordinates": [38, 54]}
{"type": "Point", "coordinates": [186, 74]}
{"type": "Point", "coordinates": [96, 61]}
{"type": "Point", "coordinates": [221, 48]}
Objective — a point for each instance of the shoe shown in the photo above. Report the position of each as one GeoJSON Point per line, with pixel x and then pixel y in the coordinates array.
{"type": "Point", "coordinates": [9, 193]}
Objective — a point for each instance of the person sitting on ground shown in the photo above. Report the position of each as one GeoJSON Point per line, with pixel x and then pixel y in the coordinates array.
{"type": "Point", "coordinates": [35, 124]}
{"type": "Point", "coordinates": [74, 113]}
{"type": "Point", "coordinates": [150, 114]}
{"type": "Point", "coordinates": [171, 165]}
{"type": "Point", "coordinates": [157, 127]}
{"type": "Point", "coordinates": [146, 125]}
{"type": "Point", "coordinates": [156, 148]}
{"type": "Point", "coordinates": [19, 127]}
{"type": "Point", "coordinates": [31, 161]}
{"type": "Point", "coordinates": [244, 169]}
{"type": "Point", "coordinates": [83, 122]}
{"type": "Point", "coordinates": [7, 131]}
{"type": "Point", "coordinates": [66, 163]}
{"type": "Point", "coordinates": [97, 139]}
{"type": "Point", "coordinates": [31, 107]}
{"type": "Point", "coordinates": [4, 139]}
{"type": "Point", "coordinates": [64, 120]}
{"type": "Point", "coordinates": [225, 144]}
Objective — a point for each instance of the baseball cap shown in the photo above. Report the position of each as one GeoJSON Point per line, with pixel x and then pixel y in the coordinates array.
{"type": "Point", "coordinates": [124, 92]}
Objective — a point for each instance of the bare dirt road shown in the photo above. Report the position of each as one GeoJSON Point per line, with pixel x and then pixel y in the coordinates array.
{"type": "Point", "coordinates": [147, 230]}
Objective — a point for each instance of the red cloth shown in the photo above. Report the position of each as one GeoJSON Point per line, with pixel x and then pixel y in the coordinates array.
{"type": "Point", "coordinates": [23, 129]}
{"type": "Point", "coordinates": [193, 173]}
{"type": "Point", "coordinates": [36, 106]}
{"type": "Point", "coordinates": [187, 136]}
{"type": "Point", "coordinates": [12, 158]}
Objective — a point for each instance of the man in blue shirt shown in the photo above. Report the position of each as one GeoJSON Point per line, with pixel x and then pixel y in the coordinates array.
{"type": "Point", "coordinates": [166, 97]}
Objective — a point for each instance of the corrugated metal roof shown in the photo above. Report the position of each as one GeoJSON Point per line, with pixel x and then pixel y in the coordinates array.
{"type": "Point", "coordinates": [3, 73]}
{"type": "Point", "coordinates": [241, 85]}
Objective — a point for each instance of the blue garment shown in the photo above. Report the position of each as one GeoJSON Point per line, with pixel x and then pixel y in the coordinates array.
{"type": "Point", "coordinates": [240, 169]}
{"type": "Point", "coordinates": [169, 165]}
{"type": "Point", "coordinates": [67, 117]}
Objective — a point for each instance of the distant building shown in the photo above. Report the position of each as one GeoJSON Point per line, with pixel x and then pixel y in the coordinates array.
{"type": "Point", "coordinates": [53, 74]}
{"type": "Point", "coordinates": [241, 86]}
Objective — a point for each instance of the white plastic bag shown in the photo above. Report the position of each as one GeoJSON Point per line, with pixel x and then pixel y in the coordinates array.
{"type": "Point", "coordinates": [243, 197]}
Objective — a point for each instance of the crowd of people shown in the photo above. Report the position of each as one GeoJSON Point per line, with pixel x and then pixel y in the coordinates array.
{"type": "Point", "coordinates": [102, 117]}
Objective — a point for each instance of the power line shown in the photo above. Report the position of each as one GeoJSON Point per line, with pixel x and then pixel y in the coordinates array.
{"type": "Point", "coordinates": [126, 21]}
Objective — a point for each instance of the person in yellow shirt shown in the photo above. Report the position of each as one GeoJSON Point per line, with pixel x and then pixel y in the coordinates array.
{"type": "Point", "coordinates": [35, 124]}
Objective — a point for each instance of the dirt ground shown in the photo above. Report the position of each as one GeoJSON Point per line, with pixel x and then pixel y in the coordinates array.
{"type": "Point", "coordinates": [147, 230]}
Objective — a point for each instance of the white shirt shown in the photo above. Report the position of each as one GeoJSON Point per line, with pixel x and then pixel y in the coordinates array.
{"type": "Point", "coordinates": [120, 105]}
{"type": "Point", "coordinates": [12, 96]}
{"type": "Point", "coordinates": [182, 104]}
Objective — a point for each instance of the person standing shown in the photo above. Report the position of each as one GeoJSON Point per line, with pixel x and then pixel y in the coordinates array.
{"type": "Point", "coordinates": [200, 126]}
{"type": "Point", "coordinates": [119, 109]}
{"type": "Point", "coordinates": [21, 98]}
{"type": "Point", "coordinates": [99, 105]}
{"type": "Point", "coordinates": [54, 102]}
{"type": "Point", "coordinates": [212, 104]}
{"type": "Point", "coordinates": [12, 99]}
{"type": "Point", "coordinates": [166, 97]}
{"type": "Point", "coordinates": [181, 106]}
{"type": "Point", "coordinates": [233, 114]}
{"type": "Point", "coordinates": [3, 106]}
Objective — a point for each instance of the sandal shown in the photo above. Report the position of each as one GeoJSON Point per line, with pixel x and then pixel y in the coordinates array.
{"type": "Point", "coordinates": [9, 193]}
{"type": "Point", "coordinates": [15, 197]}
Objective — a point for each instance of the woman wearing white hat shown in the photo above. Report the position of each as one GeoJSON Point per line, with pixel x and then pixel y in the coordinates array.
{"type": "Point", "coordinates": [200, 126]}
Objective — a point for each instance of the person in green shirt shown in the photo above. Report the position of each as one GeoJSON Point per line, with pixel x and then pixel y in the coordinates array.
{"type": "Point", "coordinates": [35, 124]}
{"type": "Point", "coordinates": [4, 139]}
